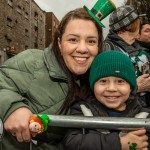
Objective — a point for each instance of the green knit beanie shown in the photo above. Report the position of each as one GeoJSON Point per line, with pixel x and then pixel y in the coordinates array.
{"type": "Point", "coordinates": [112, 63]}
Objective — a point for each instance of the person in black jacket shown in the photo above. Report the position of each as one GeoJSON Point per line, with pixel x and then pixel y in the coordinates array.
{"type": "Point", "coordinates": [113, 82]}
{"type": "Point", "coordinates": [143, 42]}
{"type": "Point", "coordinates": [144, 38]}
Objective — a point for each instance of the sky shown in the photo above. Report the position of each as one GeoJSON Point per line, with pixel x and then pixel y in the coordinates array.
{"type": "Point", "coordinates": [61, 7]}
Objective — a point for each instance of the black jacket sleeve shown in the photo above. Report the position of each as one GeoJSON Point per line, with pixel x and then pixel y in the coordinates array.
{"type": "Point", "coordinates": [91, 139]}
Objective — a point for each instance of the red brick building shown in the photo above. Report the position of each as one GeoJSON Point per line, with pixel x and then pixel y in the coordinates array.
{"type": "Point", "coordinates": [23, 25]}
{"type": "Point", "coordinates": [50, 27]}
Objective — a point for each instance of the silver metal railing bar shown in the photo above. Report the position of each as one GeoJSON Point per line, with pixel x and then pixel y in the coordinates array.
{"type": "Point", "coordinates": [113, 123]}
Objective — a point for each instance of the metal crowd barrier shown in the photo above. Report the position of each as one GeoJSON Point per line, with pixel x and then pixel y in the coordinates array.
{"type": "Point", "coordinates": [114, 123]}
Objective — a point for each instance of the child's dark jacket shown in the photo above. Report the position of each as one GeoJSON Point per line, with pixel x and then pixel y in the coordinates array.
{"type": "Point", "coordinates": [94, 139]}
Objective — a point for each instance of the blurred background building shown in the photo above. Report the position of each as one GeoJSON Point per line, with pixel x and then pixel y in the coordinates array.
{"type": "Point", "coordinates": [23, 25]}
{"type": "Point", "coordinates": [50, 27]}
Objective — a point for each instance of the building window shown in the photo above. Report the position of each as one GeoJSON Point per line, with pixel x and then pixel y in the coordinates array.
{"type": "Point", "coordinates": [41, 41]}
{"type": "Point", "coordinates": [8, 40]}
{"type": "Point", "coordinates": [27, 1]}
{"type": "Point", "coordinates": [54, 23]}
{"type": "Point", "coordinates": [16, 21]}
{"type": "Point", "coordinates": [26, 47]}
{"type": "Point", "coordinates": [35, 31]}
{"type": "Point", "coordinates": [26, 32]}
{"type": "Point", "coordinates": [26, 15]}
{"type": "Point", "coordinates": [9, 22]}
{"type": "Point", "coordinates": [35, 45]}
{"type": "Point", "coordinates": [19, 9]}
{"type": "Point", "coordinates": [41, 18]}
{"type": "Point", "coordinates": [35, 28]}
{"type": "Point", "coordinates": [35, 15]}
{"type": "Point", "coordinates": [10, 3]}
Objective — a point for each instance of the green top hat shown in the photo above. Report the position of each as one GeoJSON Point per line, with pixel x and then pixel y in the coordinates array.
{"type": "Point", "coordinates": [101, 9]}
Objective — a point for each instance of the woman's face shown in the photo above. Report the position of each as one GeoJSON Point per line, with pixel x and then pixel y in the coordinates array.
{"type": "Point", "coordinates": [79, 45]}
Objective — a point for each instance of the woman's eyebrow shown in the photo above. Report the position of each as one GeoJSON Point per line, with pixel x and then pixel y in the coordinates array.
{"type": "Point", "coordinates": [76, 35]}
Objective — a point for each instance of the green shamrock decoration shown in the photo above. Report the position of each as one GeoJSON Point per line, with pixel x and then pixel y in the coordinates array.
{"type": "Point", "coordinates": [140, 59]}
{"type": "Point", "coordinates": [132, 146]}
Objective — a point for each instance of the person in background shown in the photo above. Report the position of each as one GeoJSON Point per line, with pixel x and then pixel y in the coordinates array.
{"type": "Point", "coordinates": [144, 34]}
{"type": "Point", "coordinates": [143, 39]}
{"type": "Point", "coordinates": [143, 42]}
{"type": "Point", "coordinates": [41, 82]}
{"type": "Point", "coordinates": [124, 25]}
{"type": "Point", "coordinates": [113, 82]}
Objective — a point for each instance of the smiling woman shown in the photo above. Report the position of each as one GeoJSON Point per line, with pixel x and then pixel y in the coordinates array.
{"type": "Point", "coordinates": [48, 81]}
{"type": "Point", "coordinates": [77, 41]}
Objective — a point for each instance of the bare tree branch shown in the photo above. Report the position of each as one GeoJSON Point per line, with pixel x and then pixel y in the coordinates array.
{"type": "Point", "coordinates": [142, 6]}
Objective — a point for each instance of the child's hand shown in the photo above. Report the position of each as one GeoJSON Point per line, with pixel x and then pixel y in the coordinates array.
{"type": "Point", "coordinates": [139, 137]}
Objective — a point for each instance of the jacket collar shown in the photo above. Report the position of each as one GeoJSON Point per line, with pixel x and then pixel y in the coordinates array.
{"type": "Point", "coordinates": [119, 42]}
{"type": "Point", "coordinates": [52, 65]}
{"type": "Point", "coordinates": [144, 45]}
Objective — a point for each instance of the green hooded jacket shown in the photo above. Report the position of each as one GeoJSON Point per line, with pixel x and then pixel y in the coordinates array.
{"type": "Point", "coordinates": [32, 79]}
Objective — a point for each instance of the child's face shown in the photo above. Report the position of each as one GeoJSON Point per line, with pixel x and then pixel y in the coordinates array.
{"type": "Point", "coordinates": [112, 92]}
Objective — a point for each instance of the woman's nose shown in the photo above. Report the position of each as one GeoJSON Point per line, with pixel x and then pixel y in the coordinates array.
{"type": "Point", "coordinates": [82, 47]}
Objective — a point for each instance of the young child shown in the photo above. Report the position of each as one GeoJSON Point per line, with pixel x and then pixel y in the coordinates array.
{"type": "Point", "coordinates": [113, 82]}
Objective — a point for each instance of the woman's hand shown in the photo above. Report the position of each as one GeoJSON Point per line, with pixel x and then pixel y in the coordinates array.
{"type": "Point", "coordinates": [143, 83]}
{"type": "Point", "coordinates": [139, 137]}
{"type": "Point", "coordinates": [18, 124]}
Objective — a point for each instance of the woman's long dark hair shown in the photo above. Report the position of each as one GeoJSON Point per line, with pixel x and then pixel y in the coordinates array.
{"type": "Point", "coordinates": [75, 91]}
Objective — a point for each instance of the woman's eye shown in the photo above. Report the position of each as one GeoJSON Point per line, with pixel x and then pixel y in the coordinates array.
{"type": "Point", "coordinates": [73, 40]}
{"type": "Point", "coordinates": [92, 42]}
